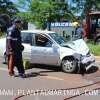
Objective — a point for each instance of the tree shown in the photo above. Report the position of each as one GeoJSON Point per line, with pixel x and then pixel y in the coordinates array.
{"type": "Point", "coordinates": [91, 5]}
{"type": "Point", "coordinates": [45, 11]}
{"type": "Point", "coordinates": [5, 21]}
{"type": "Point", "coordinates": [7, 7]}
{"type": "Point", "coordinates": [7, 11]}
{"type": "Point", "coordinates": [85, 6]}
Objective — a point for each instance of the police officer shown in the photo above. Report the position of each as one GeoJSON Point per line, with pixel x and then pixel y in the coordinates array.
{"type": "Point", "coordinates": [14, 49]}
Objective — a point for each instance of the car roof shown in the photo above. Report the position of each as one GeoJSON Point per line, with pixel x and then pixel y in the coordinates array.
{"type": "Point", "coordinates": [38, 31]}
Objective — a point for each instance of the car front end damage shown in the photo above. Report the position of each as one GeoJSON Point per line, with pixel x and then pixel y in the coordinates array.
{"type": "Point", "coordinates": [86, 61]}
{"type": "Point", "coordinates": [82, 53]}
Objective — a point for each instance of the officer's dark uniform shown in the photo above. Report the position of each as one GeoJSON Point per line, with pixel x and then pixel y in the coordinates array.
{"type": "Point", "coordinates": [14, 51]}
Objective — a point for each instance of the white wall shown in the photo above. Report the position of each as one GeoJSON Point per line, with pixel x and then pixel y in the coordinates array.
{"type": "Point", "coordinates": [31, 26]}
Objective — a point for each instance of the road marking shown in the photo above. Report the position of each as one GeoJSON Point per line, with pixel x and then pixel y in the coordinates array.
{"type": "Point", "coordinates": [54, 78]}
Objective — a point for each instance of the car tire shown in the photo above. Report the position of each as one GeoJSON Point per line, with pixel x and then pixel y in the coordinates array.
{"type": "Point", "coordinates": [69, 65]}
{"type": "Point", "coordinates": [26, 64]}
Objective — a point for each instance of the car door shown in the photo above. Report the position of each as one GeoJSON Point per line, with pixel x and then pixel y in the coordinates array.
{"type": "Point", "coordinates": [27, 42]}
{"type": "Point", "coordinates": [42, 52]}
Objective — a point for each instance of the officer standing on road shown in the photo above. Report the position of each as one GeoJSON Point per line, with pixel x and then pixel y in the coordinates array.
{"type": "Point", "coordinates": [14, 49]}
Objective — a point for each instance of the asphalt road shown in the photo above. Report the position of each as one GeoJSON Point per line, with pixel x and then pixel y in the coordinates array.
{"type": "Point", "coordinates": [50, 83]}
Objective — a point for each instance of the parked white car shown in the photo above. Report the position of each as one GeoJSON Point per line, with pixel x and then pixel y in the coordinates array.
{"type": "Point", "coordinates": [50, 48]}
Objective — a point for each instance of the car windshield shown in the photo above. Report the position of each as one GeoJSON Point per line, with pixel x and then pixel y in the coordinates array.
{"type": "Point", "coordinates": [63, 40]}
{"type": "Point", "coordinates": [58, 38]}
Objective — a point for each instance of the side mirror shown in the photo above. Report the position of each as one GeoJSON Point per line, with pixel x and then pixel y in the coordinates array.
{"type": "Point", "coordinates": [54, 46]}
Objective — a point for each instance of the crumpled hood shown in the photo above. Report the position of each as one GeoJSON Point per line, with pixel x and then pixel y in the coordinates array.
{"type": "Point", "coordinates": [79, 46]}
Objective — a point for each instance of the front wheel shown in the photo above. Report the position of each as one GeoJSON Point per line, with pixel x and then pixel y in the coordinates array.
{"type": "Point", "coordinates": [69, 65]}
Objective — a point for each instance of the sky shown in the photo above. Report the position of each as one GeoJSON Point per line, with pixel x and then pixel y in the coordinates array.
{"type": "Point", "coordinates": [20, 9]}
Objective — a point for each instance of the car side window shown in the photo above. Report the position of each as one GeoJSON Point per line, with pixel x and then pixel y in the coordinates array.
{"type": "Point", "coordinates": [42, 41]}
{"type": "Point", "coordinates": [27, 38]}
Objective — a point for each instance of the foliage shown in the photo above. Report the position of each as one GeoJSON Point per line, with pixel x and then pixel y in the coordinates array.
{"type": "Point", "coordinates": [86, 6]}
{"type": "Point", "coordinates": [95, 49]}
{"type": "Point", "coordinates": [7, 11]}
{"type": "Point", "coordinates": [43, 11]}
{"type": "Point", "coordinates": [7, 7]}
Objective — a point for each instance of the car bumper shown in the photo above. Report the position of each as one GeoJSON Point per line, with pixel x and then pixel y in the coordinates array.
{"type": "Point", "coordinates": [88, 61]}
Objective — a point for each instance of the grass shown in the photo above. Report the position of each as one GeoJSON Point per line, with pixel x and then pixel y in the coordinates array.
{"type": "Point", "coordinates": [95, 49]}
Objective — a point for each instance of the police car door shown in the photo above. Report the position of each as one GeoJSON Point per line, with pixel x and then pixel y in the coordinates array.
{"type": "Point", "coordinates": [42, 52]}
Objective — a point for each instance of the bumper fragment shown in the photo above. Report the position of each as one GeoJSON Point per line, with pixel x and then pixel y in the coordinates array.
{"type": "Point", "coordinates": [88, 61]}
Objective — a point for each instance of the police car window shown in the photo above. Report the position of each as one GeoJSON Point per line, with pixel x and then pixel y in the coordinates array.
{"type": "Point", "coordinates": [27, 38]}
{"type": "Point", "coordinates": [42, 41]}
